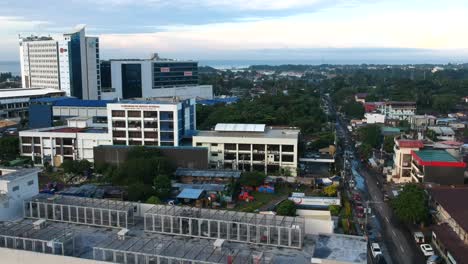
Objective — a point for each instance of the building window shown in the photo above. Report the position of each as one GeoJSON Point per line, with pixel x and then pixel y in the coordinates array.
{"type": "Point", "coordinates": [31, 182]}
{"type": "Point", "coordinates": [15, 188]}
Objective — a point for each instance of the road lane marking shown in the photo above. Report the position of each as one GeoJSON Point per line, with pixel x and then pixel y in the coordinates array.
{"type": "Point", "coordinates": [386, 218]}
{"type": "Point", "coordinates": [402, 249]}
{"type": "Point", "coordinates": [393, 231]}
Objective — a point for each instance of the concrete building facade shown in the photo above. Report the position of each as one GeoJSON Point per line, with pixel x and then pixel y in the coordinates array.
{"type": "Point", "coordinates": [250, 147]}
{"type": "Point", "coordinates": [153, 77]}
{"type": "Point", "coordinates": [397, 110]}
{"type": "Point", "coordinates": [16, 185]}
{"type": "Point", "coordinates": [402, 159]}
{"type": "Point", "coordinates": [75, 141]}
{"type": "Point", "coordinates": [14, 103]}
{"type": "Point", "coordinates": [153, 123]}
{"type": "Point", "coordinates": [69, 63]}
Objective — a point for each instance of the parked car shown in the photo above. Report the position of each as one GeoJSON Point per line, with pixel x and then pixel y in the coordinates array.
{"type": "Point", "coordinates": [427, 250]}
{"type": "Point", "coordinates": [434, 259]}
{"type": "Point", "coordinates": [375, 249]}
{"type": "Point", "coordinates": [418, 237]}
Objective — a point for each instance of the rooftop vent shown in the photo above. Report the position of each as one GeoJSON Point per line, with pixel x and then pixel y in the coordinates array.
{"type": "Point", "coordinates": [121, 234]}
{"type": "Point", "coordinates": [39, 224]}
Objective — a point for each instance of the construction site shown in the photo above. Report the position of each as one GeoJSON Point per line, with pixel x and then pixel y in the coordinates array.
{"type": "Point", "coordinates": [133, 233]}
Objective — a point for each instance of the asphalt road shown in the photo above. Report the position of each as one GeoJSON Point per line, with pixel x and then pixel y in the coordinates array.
{"type": "Point", "coordinates": [403, 248]}
{"type": "Point", "coordinates": [398, 241]}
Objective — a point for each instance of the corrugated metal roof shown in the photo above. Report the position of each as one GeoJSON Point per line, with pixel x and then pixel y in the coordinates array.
{"type": "Point", "coordinates": [188, 193]}
{"type": "Point", "coordinates": [24, 92]}
{"type": "Point", "coordinates": [224, 127]}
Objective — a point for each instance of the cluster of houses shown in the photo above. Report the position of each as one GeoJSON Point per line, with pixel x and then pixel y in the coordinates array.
{"type": "Point", "coordinates": [431, 152]}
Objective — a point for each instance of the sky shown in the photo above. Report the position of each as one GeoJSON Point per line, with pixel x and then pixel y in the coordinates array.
{"type": "Point", "coordinates": [323, 31]}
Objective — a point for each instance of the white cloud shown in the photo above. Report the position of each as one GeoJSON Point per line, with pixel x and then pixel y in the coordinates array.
{"type": "Point", "coordinates": [396, 29]}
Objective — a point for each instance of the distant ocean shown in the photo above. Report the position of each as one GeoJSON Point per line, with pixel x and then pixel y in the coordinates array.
{"type": "Point", "coordinates": [10, 66]}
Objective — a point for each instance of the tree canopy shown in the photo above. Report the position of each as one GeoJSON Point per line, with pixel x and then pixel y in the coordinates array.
{"type": "Point", "coordinates": [286, 208]}
{"type": "Point", "coordinates": [299, 108]}
{"type": "Point", "coordinates": [9, 148]}
{"type": "Point", "coordinates": [411, 204]}
{"type": "Point", "coordinates": [252, 179]}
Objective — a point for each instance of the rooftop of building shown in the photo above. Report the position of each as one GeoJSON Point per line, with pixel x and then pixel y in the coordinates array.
{"type": "Point", "coordinates": [428, 155]}
{"type": "Point", "coordinates": [341, 248]}
{"type": "Point", "coordinates": [137, 242]}
{"type": "Point", "coordinates": [410, 143]}
{"type": "Point", "coordinates": [452, 200]}
{"type": "Point", "coordinates": [154, 58]}
{"type": "Point", "coordinates": [400, 103]}
{"type": "Point", "coordinates": [250, 131]}
{"type": "Point", "coordinates": [67, 129]}
{"type": "Point", "coordinates": [90, 241]}
{"type": "Point", "coordinates": [153, 101]}
{"type": "Point", "coordinates": [452, 242]}
{"type": "Point", "coordinates": [208, 173]}
{"type": "Point", "coordinates": [440, 130]}
{"type": "Point", "coordinates": [71, 101]}
{"type": "Point", "coordinates": [25, 92]}
{"type": "Point", "coordinates": [13, 174]}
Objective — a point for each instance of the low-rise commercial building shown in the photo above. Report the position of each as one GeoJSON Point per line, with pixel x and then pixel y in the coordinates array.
{"type": "Point", "coordinates": [249, 147]}
{"type": "Point", "coordinates": [421, 122]}
{"type": "Point", "coordinates": [397, 110]}
{"type": "Point", "coordinates": [14, 103]}
{"type": "Point", "coordinates": [16, 185]}
{"type": "Point", "coordinates": [450, 235]}
{"type": "Point", "coordinates": [46, 112]}
{"type": "Point", "coordinates": [402, 159]}
{"type": "Point", "coordinates": [442, 133]}
{"type": "Point", "coordinates": [374, 118]}
{"type": "Point", "coordinates": [436, 166]}
{"type": "Point", "coordinates": [53, 145]}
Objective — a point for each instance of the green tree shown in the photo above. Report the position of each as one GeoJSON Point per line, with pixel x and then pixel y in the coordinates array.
{"type": "Point", "coordinates": [68, 166]}
{"type": "Point", "coordinates": [334, 210]}
{"type": "Point", "coordinates": [253, 179]}
{"type": "Point", "coordinates": [139, 192]}
{"type": "Point", "coordinates": [153, 200]}
{"type": "Point", "coordinates": [162, 186]}
{"type": "Point", "coordinates": [411, 204]}
{"type": "Point", "coordinates": [353, 109]}
{"type": "Point", "coordinates": [370, 135]}
{"type": "Point", "coordinates": [365, 151]}
{"type": "Point", "coordinates": [388, 144]}
{"type": "Point", "coordinates": [286, 208]}
{"type": "Point", "coordinates": [330, 190]}
{"type": "Point", "coordinates": [9, 148]}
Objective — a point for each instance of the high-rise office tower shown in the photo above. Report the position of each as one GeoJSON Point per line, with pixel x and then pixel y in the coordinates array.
{"type": "Point", "coordinates": [69, 63]}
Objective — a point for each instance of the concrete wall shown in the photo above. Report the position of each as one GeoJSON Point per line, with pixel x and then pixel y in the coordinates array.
{"type": "Point", "coordinates": [12, 256]}
{"type": "Point", "coordinates": [316, 221]}
{"type": "Point", "coordinates": [193, 158]}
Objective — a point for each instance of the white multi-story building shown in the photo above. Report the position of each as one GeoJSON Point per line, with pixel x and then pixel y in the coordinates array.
{"type": "Point", "coordinates": [402, 159]}
{"type": "Point", "coordinates": [397, 110]}
{"type": "Point", "coordinates": [153, 77]}
{"type": "Point", "coordinates": [157, 123]}
{"type": "Point", "coordinates": [250, 147]}
{"type": "Point", "coordinates": [69, 63]}
{"type": "Point", "coordinates": [374, 118]}
{"type": "Point", "coordinates": [75, 141]}
{"type": "Point", "coordinates": [15, 187]}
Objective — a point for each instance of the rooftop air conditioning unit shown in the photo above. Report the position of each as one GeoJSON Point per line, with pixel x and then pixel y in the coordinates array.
{"type": "Point", "coordinates": [39, 224]}
{"type": "Point", "coordinates": [121, 234]}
